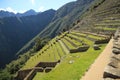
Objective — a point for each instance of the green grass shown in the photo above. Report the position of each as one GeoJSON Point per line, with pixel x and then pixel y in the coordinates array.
{"type": "Point", "coordinates": [85, 40]}
{"type": "Point", "coordinates": [66, 71]}
{"type": "Point", "coordinates": [75, 42]}
{"type": "Point", "coordinates": [82, 34]}
{"type": "Point", "coordinates": [111, 21]}
{"type": "Point", "coordinates": [108, 24]}
{"type": "Point", "coordinates": [55, 52]}
{"type": "Point", "coordinates": [38, 76]}
{"type": "Point", "coordinates": [106, 28]}
{"type": "Point", "coordinates": [59, 49]}
{"type": "Point", "coordinates": [88, 35]}
{"type": "Point", "coordinates": [48, 55]}
{"type": "Point", "coordinates": [68, 44]}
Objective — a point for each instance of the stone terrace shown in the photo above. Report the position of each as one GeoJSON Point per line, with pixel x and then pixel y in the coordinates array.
{"type": "Point", "coordinates": [112, 71]}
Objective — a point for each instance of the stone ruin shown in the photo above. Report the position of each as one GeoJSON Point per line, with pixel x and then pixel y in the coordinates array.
{"type": "Point", "coordinates": [112, 71]}
{"type": "Point", "coordinates": [29, 74]}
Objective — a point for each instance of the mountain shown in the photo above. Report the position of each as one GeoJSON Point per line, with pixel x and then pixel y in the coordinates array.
{"type": "Point", "coordinates": [64, 18]}
{"type": "Point", "coordinates": [86, 17]}
{"type": "Point", "coordinates": [27, 13]}
{"type": "Point", "coordinates": [17, 31]}
{"type": "Point", "coordinates": [6, 14]}
{"type": "Point", "coordinates": [11, 14]}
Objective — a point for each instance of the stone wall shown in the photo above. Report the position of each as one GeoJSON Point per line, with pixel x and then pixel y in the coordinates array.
{"type": "Point", "coordinates": [22, 74]}
{"type": "Point", "coordinates": [31, 74]}
{"type": "Point", "coordinates": [28, 74]}
{"type": "Point", "coordinates": [112, 71]}
{"type": "Point", "coordinates": [102, 41]}
{"type": "Point", "coordinates": [80, 49]}
{"type": "Point", "coordinates": [47, 64]}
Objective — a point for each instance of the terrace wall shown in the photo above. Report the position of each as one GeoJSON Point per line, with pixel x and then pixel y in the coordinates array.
{"type": "Point", "coordinates": [112, 71]}
{"type": "Point", "coordinates": [47, 64]}
{"type": "Point", "coordinates": [31, 75]}
{"type": "Point", "coordinates": [22, 74]}
{"type": "Point", "coordinates": [102, 41]}
{"type": "Point", "coordinates": [80, 49]}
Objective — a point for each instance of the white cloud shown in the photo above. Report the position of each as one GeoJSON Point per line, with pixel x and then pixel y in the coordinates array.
{"type": "Point", "coordinates": [22, 11]}
{"type": "Point", "coordinates": [9, 9]}
{"type": "Point", "coordinates": [33, 2]}
{"type": "Point", "coordinates": [41, 9]}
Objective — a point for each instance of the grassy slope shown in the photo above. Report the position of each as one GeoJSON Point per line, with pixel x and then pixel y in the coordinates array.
{"type": "Point", "coordinates": [66, 71]}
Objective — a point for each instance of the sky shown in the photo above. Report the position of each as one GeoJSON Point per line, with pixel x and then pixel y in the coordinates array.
{"type": "Point", "coordinates": [38, 5]}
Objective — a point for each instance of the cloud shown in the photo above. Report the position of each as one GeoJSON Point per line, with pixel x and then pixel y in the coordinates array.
{"type": "Point", "coordinates": [22, 11]}
{"type": "Point", "coordinates": [9, 9]}
{"type": "Point", "coordinates": [41, 8]}
{"type": "Point", "coordinates": [33, 2]}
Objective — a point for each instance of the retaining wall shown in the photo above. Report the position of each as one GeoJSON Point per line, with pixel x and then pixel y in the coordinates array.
{"type": "Point", "coordinates": [112, 71]}
{"type": "Point", "coordinates": [22, 74]}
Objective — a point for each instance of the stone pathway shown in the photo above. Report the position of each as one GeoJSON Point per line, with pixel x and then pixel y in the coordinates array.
{"type": "Point", "coordinates": [97, 68]}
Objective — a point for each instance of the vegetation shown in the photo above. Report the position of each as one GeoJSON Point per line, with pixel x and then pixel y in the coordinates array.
{"type": "Point", "coordinates": [72, 66]}
{"type": "Point", "coordinates": [15, 32]}
{"type": "Point", "coordinates": [11, 68]}
{"type": "Point", "coordinates": [73, 71]}
{"type": "Point", "coordinates": [9, 72]}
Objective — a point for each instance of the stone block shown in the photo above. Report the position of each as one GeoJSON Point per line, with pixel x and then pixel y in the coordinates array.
{"type": "Point", "coordinates": [111, 72]}
{"type": "Point", "coordinates": [116, 51]}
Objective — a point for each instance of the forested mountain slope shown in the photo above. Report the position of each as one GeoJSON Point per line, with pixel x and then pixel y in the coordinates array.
{"type": "Point", "coordinates": [17, 31]}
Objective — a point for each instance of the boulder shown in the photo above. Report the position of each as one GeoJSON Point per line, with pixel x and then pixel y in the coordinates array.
{"type": "Point", "coordinates": [111, 72]}
{"type": "Point", "coordinates": [71, 61]}
{"type": "Point", "coordinates": [117, 46]}
{"type": "Point", "coordinates": [114, 62]}
{"type": "Point", "coordinates": [116, 51]}
{"type": "Point", "coordinates": [96, 47]}
{"type": "Point", "coordinates": [116, 56]}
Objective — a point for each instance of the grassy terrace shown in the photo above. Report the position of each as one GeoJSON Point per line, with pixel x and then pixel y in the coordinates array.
{"type": "Point", "coordinates": [55, 52]}
{"type": "Point", "coordinates": [59, 48]}
{"type": "Point", "coordinates": [108, 24]}
{"type": "Point", "coordinates": [70, 46]}
{"type": "Point", "coordinates": [48, 55]}
{"type": "Point", "coordinates": [74, 41]}
{"type": "Point", "coordinates": [106, 28]}
{"type": "Point", "coordinates": [88, 35]}
{"type": "Point", "coordinates": [65, 70]}
{"type": "Point", "coordinates": [85, 40]}
{"type": "Point", "coordinates": [112, 21]}
{"type": "Point", "coordinates": [74, 71]}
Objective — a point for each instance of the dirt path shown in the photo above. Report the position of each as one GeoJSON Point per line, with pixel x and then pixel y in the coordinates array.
{"type": "Point", "coordinates": [97, 68]}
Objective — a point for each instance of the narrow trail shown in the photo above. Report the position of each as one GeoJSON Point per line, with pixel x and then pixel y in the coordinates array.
{"type": "Point", "coordinates": [97, 68]}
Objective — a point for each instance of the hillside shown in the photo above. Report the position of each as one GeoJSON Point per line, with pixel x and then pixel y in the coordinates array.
{"type": "Point", "coordinates": [4, 14]}
{"type": "Point", "coordinates": [64, 19]}
{"type": "Point", "coordinates": [15, 32]}
{"type": "Point", "coordinates": [75, 50]}
{"type": "Point", "coordinates": [79, 38]}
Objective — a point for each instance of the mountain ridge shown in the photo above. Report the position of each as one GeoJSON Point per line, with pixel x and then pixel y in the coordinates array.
{"type": "Point", "coordinates": [17, 31]}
